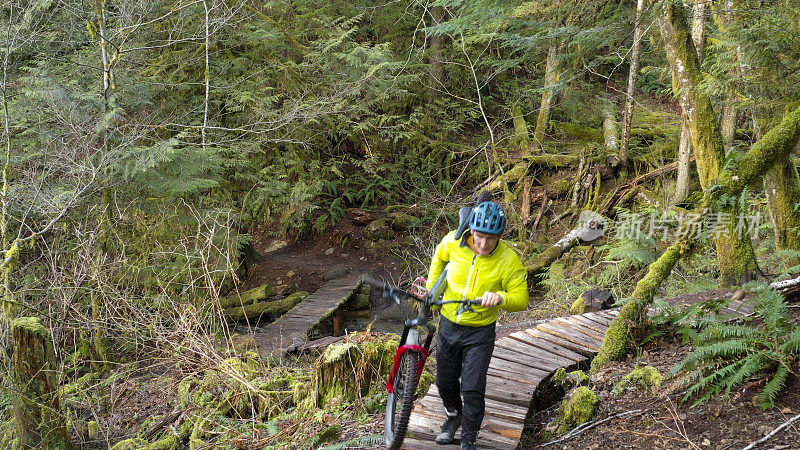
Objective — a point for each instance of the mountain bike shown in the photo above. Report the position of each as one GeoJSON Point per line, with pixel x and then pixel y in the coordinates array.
{"type": "Point", "coordinates": [411, 354]}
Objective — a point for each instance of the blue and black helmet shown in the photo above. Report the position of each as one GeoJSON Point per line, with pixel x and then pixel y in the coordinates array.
{"type": "Point", "coordinates": [488, 217]}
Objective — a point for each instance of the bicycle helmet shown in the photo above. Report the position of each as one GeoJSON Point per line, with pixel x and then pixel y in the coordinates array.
{"type": "Point", "coordinates": [488, 217]}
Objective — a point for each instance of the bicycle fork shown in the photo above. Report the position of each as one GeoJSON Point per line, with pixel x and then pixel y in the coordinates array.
{"type": "Point", "coordinates": [410, 341]}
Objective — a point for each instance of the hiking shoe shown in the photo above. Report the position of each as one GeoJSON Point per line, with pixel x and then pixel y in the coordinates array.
{"type": "Point", "coordinates": [467, 445]}
{"type": "Point", "coordinates": [448, 431]}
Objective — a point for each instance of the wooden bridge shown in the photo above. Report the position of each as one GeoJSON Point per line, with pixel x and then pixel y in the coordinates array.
{"type": "Point", "coordinates": [293, 327]}
{"type": "Point", "coordinates": [519, 363]}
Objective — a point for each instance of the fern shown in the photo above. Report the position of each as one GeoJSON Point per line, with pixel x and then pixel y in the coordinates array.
{"type": "Point", "coordinates": [727, 354]}
{"type": "Point", "coordinates": [359, 442]}
{"type": "Point", "coordinates": [775, 385]}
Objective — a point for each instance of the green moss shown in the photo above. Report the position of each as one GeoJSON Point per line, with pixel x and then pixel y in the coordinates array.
{"type": "Point", "coordinates": [577, 132]}
{"type": "Point", "coordinates": [130, 444]}
{"type": "Point", "coordinates": [79, 385]}
{"type": "Point", "coordinates": [578, 306]}
{"type": "Point", "coordinates": [32, 325]}
{"type": "Point", "coordinates": [579, 408]}
{"type": "Point", "coordinates": [646, 378]}
{"type": "Point", "coordinates": [93, 429]}
{"type": "Point", "coordinates": [569, 380]}
{"type": "Point", "coordinates": [12, 255]}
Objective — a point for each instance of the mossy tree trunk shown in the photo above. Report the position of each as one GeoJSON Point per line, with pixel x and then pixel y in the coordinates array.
{"type": "Point", "coordinates": [521, 138]}
{"type": "Point", "coordinates": [685, 143]}
{"type": "Point", "coordinates": [627, 117]}
{"type": "Point", "coordinates": [770, 157]}
{"type": "Point", "coordinates": [623, 329]}
{"type": "Point", "coordinates": [552, 75]}
{"type": "Point", "coordinates": [724, 18]}
{"type": "Point", "coordinates": [782, 186]}
{"type": "Point", "coordinates": [100, 340]}
{"type": "Point", "coordinates": [37, 409]}
{"type": "Point", "coordinates": [610, 128]}
{"type": "Point", "coordinates": [734, 253]}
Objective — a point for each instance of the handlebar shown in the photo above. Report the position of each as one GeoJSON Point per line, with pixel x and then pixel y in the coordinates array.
{"type": "Point", "coordinates": [398, 295]}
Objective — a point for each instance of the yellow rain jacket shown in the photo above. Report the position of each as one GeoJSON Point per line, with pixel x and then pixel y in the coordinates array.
{"type": "Point", "coordinates": [469, 275]}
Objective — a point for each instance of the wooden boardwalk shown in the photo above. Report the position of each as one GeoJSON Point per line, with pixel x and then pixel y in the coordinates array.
{"type": "Point", "coordinates": [293, 327]}
{"type": "Point", "coordinates": [519, 363]}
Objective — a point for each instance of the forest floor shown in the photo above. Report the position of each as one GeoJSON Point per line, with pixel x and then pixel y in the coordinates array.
{"type": "Point", "coordinates": [665, 421]}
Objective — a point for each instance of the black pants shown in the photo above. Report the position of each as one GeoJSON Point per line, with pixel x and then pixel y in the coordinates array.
{"type": "Point", "coordinates": [463, 351]}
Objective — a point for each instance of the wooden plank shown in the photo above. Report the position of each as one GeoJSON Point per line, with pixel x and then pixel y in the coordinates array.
{"type": "Point", "coordinates": [579, 327]}
{"type": "Point", "coordinates": [432, 402]}
{"type": "Point", "coordinates": [598, 319]}
{"type": "Point", "coordinates": [570, 335]}
{"type": "Point", "coordinates": [511, 376]}
{"type": "Point", "coordinates": [534, 356]}
{"type": "Point", "coordinates": [426, 428]}
{"type": "Point", "coordinates": [515, 368]}
{"type": "Point", "coordinates": [577, 348]}
{"type": "Point", "coordinates": [562, 355]}
{"type": "Point", "coordinates": [513, 357]}
{"type": "Point", "coordinates": [589, 323]}
{"type": "Point", "coordinates": [534, 339]}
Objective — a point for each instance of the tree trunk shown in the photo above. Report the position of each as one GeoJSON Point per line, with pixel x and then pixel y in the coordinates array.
{"type": "Point", "coordinates": [632, 74]}
{"type": "Point", "coordinates": [624, 327]}
{"type": "Point", "coordinates": [735, 256]}
{"type": "Point", "coordinates": [685, 145]}
{"type": "Point", "coordinates": [100, 341]}
{"type": "Point", "coordinates": [551, 76]}
{"type": "Point", "coordinates": [521, 137]}
{"type": "Point", "coordinates": [436, 64]}
{"type": "Point", "coordinates": [729, 119]}
{"type": "Point", "coordinates": [770, 157]}
{"type": "Point", "coordinates": [782, 185]}
{"type": "Point", "coordinates": [247, 297]}
{"type": "Point", "coordinates": [610, 129]}
{"type": "Point", "coordinates": [37, 409]}
{"type": "Point", "coordinates": [684, 155]}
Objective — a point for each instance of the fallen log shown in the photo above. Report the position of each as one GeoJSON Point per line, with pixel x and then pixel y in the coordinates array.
{"type": "Point", "coordinates": [590, 227]}
{"type": "Point", "coordinates": [621, 190]}
{"type": "Point", "coordinates": [247, 297]}
{"type": "Point", "coordinates": [273, 308]}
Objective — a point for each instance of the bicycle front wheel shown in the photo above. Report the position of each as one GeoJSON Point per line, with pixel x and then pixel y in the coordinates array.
{"type": "Point", "coordinates": [401, 401]}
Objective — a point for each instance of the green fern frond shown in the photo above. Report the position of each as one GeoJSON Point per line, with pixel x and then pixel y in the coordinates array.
{"type": "Point", "coordinates": [775, 385]}
{"type": "Point", "coordinates": [358, 442]}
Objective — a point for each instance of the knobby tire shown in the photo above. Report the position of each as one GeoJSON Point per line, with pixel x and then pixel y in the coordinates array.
{"type": "Point", "coordinates": [401, 402]}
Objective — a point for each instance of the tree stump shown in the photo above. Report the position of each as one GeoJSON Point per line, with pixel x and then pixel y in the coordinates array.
{"type": "Point", "coordinates": [37, 410]}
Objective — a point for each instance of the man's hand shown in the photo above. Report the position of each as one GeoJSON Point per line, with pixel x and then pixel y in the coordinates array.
{"type": "Point", "coordinates": [491, 299]}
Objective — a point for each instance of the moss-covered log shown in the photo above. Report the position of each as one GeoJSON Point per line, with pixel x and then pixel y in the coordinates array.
{"type": "Point", "coordinates": [510, 176]}
{"type": "Point", "coordinates": [734, 254]}
{"type": "Point", "coordinates": [37, 408]}
{"type": "Point", "coordinates": [273, 308]}
{"type": "Point", "coordinates": [775, 147]}
{"type": "Point", "coordinates": [624, 327]}
{"type": "Point", "coordinates": [554, 161]}
{"type": "Point", "coordinates": [248, 297]}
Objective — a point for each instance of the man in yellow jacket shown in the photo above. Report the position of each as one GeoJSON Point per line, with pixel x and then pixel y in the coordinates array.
{"type": "Point", "coordinates": [479, 266]}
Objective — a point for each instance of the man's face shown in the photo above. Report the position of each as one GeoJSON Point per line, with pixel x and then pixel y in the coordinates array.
{"type": "Point", "coordinates": [484, 243]}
